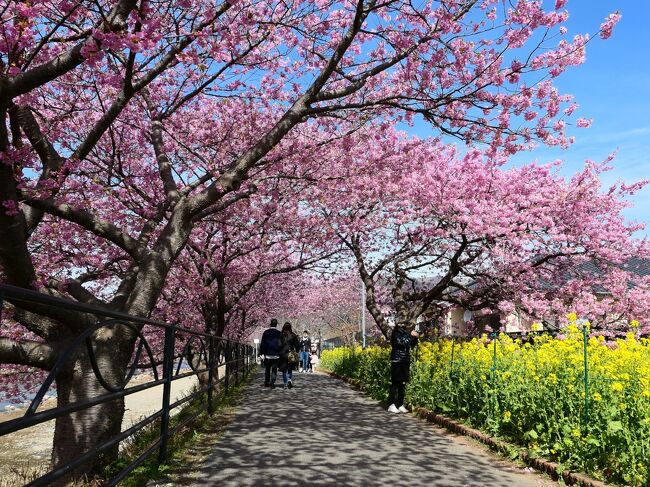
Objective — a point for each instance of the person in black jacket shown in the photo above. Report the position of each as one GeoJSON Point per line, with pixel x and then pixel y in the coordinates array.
{"type": "Point", "coordinates": [270, 349]}
{"type": "Point", "coordinates": [290, 344]}
{"type": "Point", "coordinates": [401, 342]}
{"type": "Point", "coordinates": [305, 351]}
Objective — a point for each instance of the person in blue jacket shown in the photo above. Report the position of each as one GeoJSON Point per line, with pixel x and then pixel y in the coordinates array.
{"type": "Point", "coordinates": [270, 346]}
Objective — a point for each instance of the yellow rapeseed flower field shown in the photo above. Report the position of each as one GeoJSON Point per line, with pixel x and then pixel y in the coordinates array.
{"type": "Point", "coordinates": [533, 393]}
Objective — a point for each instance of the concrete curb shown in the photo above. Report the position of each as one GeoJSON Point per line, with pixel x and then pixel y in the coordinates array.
{"type": "Point", "coordinates": [540, 464]}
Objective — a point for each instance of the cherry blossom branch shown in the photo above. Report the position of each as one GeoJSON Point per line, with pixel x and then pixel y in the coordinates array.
{"type": "Point", "coordinates": [66, 61]}
{"type": "Point", "coordinates": [75, 289]}
{"type": "Point", "coordinates": [252, 189]}
{"type": "Point", "coordinates": [231, 179]}
{"type": "Point", "coordinates": [46, 38]}
{"type": "Point", "coordinates": [371, 298]}
{"type": "Point", "coordinates": [164, 164]}
{"type": "Point", "coordinates": [92, 223]}
{"type": "Point", "coordinates": [211, 79]}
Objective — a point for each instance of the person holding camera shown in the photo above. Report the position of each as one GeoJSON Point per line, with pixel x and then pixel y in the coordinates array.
{"type": "Point", "coordinates": [401, 342]}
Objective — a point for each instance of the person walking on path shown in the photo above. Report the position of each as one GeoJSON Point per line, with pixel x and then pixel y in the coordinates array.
{"type": "Point", "coordinates": [401, 342]}
{"type": "Point", "coordinates": [313, 363]}
{"type": "Point", "coordinates": [305, 351]}
{"type": "Point", "coordinates": [288, 355]}
{"type": "Point", "coordinates": [270, 346]}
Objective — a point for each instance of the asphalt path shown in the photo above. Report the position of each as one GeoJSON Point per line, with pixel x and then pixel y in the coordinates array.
{"type": "Point", "coordinates": [324, 433]}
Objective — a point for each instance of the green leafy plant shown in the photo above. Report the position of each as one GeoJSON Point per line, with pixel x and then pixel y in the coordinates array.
{"type": "Point", "coordinates": [533, 394]}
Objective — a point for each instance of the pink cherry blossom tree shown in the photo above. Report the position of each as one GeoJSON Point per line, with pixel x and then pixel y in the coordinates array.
{"type": "Point", "coordinates": [268, 234]}
{"type": "Point", "coordinates": [464, 230]}
{"type": "Point", "coordinates": [126, 124]}
{"type": "Point", "coordinates": [330, 306]}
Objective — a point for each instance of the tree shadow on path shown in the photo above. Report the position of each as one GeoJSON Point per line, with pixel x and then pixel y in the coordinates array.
{"type": "Point", "coordinates": [323, 433]}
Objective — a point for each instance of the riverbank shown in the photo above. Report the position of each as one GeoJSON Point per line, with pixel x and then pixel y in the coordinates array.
{"type": "Point", "coordinates": [28, 451]}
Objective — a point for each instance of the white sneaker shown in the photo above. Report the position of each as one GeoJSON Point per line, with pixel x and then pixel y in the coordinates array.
{"type": "Point", "coordinates": [402, 409]}
{"type": "Point", "coordinates": [393, 409]}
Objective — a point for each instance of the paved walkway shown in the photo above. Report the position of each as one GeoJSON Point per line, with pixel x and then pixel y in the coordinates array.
{"type": "Point", "coordinates": [323, 433]}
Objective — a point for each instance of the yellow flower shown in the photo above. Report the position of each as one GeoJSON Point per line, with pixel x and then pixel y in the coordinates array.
{"type": "Point", "coordinates": [507, 415]}
{"type": "Point", "coordinates": [572, 317]}
{"type": "Point", "coordinates": [617, 387]}
{"type": "Point", "coordinates": [597, 397]}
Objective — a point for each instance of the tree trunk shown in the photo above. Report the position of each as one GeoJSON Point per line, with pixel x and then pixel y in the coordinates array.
{"type": "Point", "coordinates": [214, 318]}
{"type": "Point", "coordinates": [81, 431]}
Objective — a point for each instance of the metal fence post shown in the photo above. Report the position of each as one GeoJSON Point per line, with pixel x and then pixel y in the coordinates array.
{"type": "Point", "coordinates": [217, 353]}
{"type": "Point", "coordinates": [240, 361]}
{"type": "Point", "coordinates": [210, 371]}
{"type": "Point", "coordinates": [168, 370]}
{"type": "Point", "coordinates": [236, 364]}
{"type": "Point", "coordinates": [228, 367]}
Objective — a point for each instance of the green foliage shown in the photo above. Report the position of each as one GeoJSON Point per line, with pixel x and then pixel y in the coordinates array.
{"type": "Point", "coordinates": [533, 395]}
{"type": "Point", "coordinates": [177, 445]}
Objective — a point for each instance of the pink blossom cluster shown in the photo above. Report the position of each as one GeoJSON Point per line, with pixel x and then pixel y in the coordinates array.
{"type": "Point", "coordinates": [202, 162]}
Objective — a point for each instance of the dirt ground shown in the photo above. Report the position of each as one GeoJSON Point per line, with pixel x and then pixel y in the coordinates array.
{"type": "Point", "coordinates": [28, 451]}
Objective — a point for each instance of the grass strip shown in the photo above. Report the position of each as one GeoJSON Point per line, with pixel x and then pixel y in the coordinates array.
{"type": "Point", "coordinates": [181, 447]}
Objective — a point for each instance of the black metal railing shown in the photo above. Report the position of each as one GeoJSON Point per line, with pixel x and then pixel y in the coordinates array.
{"type": "Point", "coordinates": [202, 353]}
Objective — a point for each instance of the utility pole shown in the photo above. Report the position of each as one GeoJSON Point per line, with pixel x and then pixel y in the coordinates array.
{"type": "Point", "coordinates": [363, 314]}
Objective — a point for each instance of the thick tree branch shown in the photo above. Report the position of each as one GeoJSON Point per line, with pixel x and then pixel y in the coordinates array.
{"type": "Point", "coordinates": [231, 179]}
{"type": "Point", "coordinates": [371, 298]}
{"type": "Point", "coordinates": [49, 156]}
{"type": "Point", "coordinates": [92, 223]}
{"type": "Point", "coordinates": [242, 195]}
{"type": "Point", "coordinates": [15, 260]}
{"type": "Point", "coordinates": [31, 353]}
{"type": "Point", "coordinates": [164, 164]}
{"type": "Point", "coordinates": [75, 289]}
{"type": "Point", "coordinates": [66, 61]}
